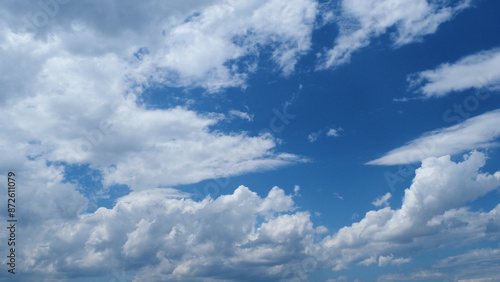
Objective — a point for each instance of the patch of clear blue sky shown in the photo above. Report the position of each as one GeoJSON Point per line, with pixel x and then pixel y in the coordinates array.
{"type": "Point", "coordinates": [89, 183]}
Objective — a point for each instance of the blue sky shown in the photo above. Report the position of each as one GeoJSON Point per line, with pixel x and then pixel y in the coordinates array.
{"type": "Point", "coordinates": [252, 140]}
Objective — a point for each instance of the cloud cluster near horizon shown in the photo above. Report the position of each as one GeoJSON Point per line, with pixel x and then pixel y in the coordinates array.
{"type": "Point", "coordinates": [242, 235]}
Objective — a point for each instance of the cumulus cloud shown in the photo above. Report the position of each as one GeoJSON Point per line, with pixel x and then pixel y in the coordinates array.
{"type": "Point", "coordinates": [79, 102]}
{"type": "Point", "coordinates": [481, 70]}
{"type": "Point", "coordinates": [73, 95]}
{"type": "Point", "coordinates": [473, 265]}
{"type": "Point", "coordinates": [331, 132]}
{"type": "Point", "coordinates": [476, 265]}
{"type": "Point", "coordinates": [128, 143]}
{"type": "Point", "coordinates": [187, 43]}
{"type": "Point", "coordinates": [432, 213]}
{"type": "Point", "coordinates": [162, 234]}
{"type": "Point", "coordinates": [360, 20]}
{"type": "Point", "coordinates": [475, 133]}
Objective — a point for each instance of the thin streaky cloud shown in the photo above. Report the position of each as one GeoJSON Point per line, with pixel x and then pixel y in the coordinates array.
{"type": "Point", "coordinates": [480, 70]}
{"type": "Point", "coordinates": [479, 132]}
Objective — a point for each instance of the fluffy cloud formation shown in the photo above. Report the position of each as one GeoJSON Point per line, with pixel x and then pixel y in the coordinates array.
{"type": "Point", "coordinates": [78, 102]}
{"type": "Point", "coordinates": [361, 20]}
{"type": "Point", "coordinates": [128, 143]}
{"type": "Point", "coordinates": [162, 234]}
{"type": "Point", "coordinates": [481, 70]}
{"type": "Point", "coordinates": [158, 234]}
{"type": "Point", "coordinates": [232, 30]}
{"type": "Point", "coordinates": [474, 133]}
{"type": "Point", "coordinates": [240, 114]}
{"type": "Point", "coordinates": [72, 94]}
{"type": "Point", "coordinates": [433, 213]}
{"type": "Point", "coordinates": [186, 43]}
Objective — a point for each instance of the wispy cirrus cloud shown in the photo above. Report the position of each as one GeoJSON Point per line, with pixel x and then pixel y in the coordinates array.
{"type": "Point", "coordinates": [361, 20]}
{"type": "Point", "coordinates": [475, 133]}
{"type": "Point", "coordinates": [480, 70]}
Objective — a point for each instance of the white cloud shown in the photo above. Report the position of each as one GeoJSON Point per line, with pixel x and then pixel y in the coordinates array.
{"type": "Point", "coordinates": [129, 144]}
{"type": "Point", "coordinates": [83, 105]}
{"type": "Point", "coordinates": [385, 260]}
{"type": "Point", "coordinates": [210, 44]}
{"type": "Point", "coordinates": [77, 99]}
{"type": "Point", "coordinates": [296, 190]}
{"type": "Point", "coordinates": [243, 235]}
{"type": "Point", "coordinates": [164, 235]}
{"type": "Point", "coordinates": [472, 257]}
{"type": "Point", "coordinates": [475, 133]}
{"type": "Point", "coordinates": [72, 94]}
{"type": "Point", "coordinates": [361, 20]}
{"type": "Point", "coordinates": [334, 132]}
{"type": "Point", "coordinates": [474, 265]}
{"type": "Point", "coordinates": [420, 275]}
{"type": "Point", "coordinates": [481, 70]}
{"type": "Point", "coordinates": [242, 115]}
{"type": "Point", "coordinates": [382, 200]}
{"type": "Point", "coordinates": [231, 30]}
{"type": "Point", "coordinates": [432, 214]}
{"type": "Point", "coordinates": [313, 136]}
{"type": "Point", "coordinates": [368, 261]}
